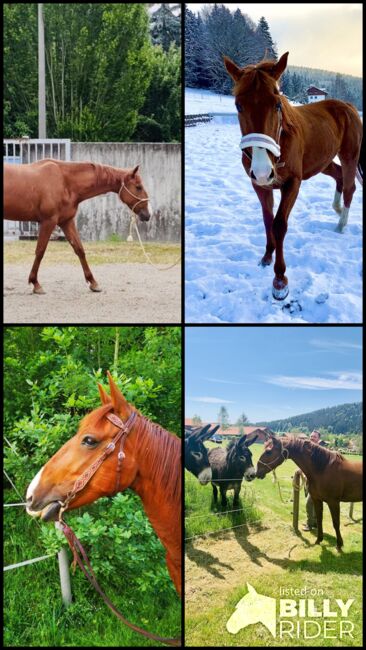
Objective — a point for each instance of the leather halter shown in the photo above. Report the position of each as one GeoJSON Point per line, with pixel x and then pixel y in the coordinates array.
{"type": "Point", "coordinates": [123, 187]}
{"type": "Point", "coordinates": [264, 141]}
{"type": "Point", "coordinates": [281, 455]}
{"type": "Point", "coordinates": [81, 482]}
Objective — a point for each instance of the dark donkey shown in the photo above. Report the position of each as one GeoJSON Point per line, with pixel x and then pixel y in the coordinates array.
{"type": "Point", "coordinates": [49, 191]}
{"type": "Point", "coordinates": [331, 477]}
{"type": "Point", "coordinates": [229, 467]}
{"type": "Point", "coordinates": [195, 452]}
{"type": "Point", "coordinates": [290, 144]}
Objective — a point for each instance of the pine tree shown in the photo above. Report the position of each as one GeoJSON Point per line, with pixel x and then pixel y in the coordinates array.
{"type": "Point", "coordinates": [266, 39]}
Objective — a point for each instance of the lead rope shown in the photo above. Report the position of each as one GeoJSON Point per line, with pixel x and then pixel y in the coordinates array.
{"type": "Point", "coordinates": [78, 551]}
{"type": "Point", "coordinates": [133, 223]}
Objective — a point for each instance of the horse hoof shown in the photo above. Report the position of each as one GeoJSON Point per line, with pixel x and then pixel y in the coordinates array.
{"type": "Point", "coordinates": [339, 229]}
{"type": "Point", "coordinates": [265, 261]}
{"type": "Point", "coordinates": [280, 292]}
{"type": "Point", "coordinates": [39, 290]}
{"type": "Point", "coordinates": [95, 287]}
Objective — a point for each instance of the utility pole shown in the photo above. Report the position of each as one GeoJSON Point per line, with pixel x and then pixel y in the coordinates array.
{"type": "Point", "coordinates": [41, 76]}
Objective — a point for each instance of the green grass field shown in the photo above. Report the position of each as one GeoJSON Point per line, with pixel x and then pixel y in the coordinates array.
{"type": "Point", "coordinates": [100, 252]}
{"type": "Point", "coordinates": [264, 551]}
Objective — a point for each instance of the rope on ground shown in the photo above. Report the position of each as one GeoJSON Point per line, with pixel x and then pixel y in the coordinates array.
{"type": "Point", "coordinates": [147, 256]}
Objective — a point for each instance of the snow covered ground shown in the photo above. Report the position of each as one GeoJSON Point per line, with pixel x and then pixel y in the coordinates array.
{"type": "Point", "coordinates": [225, 238]}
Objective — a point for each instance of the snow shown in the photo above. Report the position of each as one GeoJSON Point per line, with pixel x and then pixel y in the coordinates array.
{"type": "Point", "coordinates": [225, 237]}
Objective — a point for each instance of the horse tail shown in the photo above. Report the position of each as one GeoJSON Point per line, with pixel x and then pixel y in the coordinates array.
{"type": "Point", "coordinates": [359, 170]}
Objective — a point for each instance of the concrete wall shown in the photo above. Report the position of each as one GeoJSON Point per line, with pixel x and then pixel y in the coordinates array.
{"type": "Point", "coordinates": [160, 169]}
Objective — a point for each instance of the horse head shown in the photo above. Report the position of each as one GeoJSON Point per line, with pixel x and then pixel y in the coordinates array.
{"type": "Point", "coordinates": [259, 106]}
{"type": "Point", "coordinates": [134, 195]}
{"type": "Point", "coordinates": [78, 457]}
{"type": "Point", "coordinates": [274, 455]}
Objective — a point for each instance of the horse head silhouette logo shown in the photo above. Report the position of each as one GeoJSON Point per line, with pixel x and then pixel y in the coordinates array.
{"type": "Point", "coordinates": [253, 608]}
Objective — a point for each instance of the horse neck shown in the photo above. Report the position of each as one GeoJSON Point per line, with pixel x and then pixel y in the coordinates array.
{"type": "Point", "coordinates": [300, 455]}
{"type": "Point", "coordinates": [160, 507]}
{"type": "Point", "coordinates": [93, 179]}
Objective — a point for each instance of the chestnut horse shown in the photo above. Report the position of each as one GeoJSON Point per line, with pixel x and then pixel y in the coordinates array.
{"type": "Point", "coordinates": [289, 144]}
{"type": "Point", "coordinates": [150, 466]}
{"type": "Point", "coordinates": [331, 477]}
{"type": "Point", "coordinates": [49, 191]}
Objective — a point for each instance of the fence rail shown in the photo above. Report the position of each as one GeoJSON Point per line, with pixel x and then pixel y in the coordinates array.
{"type": "Point", "coordinates": [200, 118]}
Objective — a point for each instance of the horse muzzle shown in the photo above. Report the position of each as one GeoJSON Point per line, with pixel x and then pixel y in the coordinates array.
{"type": "Point", "coordinates": [144, 215]}
{"type": "Point", "coordinates": [46, 513]}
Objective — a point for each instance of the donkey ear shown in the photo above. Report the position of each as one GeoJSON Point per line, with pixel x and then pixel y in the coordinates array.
{"type": "Point", "coordinates": [279, 67]}
{"type": "Point", "coordinates": [252, 440]}
{"type": "Point", "coordinates": [120, 404]}
{"type": "Point", "coordinates": [105, 399]}
{"type": "Point", "coordinates": [234, 71]}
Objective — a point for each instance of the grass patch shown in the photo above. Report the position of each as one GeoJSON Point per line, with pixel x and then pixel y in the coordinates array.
{"type": "Point", "coordinates": [271, 557]}
{"type": "Point", "coordinates": [101, 252]}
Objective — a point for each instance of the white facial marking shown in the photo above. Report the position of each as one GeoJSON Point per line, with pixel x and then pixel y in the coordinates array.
{"type": "Point", "coordinates": [261, 165]}
{"type": "Point", "coordinates": [205, 476]}
{"type": "Point", "coordinates": [250, 473]}
{"type": "Point", "coordinates": [32, 486]}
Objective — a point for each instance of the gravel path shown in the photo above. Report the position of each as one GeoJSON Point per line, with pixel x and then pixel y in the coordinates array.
{"type": "Point", "coordinates": [132, 293]}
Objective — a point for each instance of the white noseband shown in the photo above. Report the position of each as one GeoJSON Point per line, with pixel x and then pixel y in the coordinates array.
{"type": "Point", "coordinates": [260, 140]}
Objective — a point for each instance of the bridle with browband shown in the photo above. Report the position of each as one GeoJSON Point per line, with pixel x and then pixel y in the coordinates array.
{"type": "Point", "coordinates": [281, 455]}
{"type": "Point", "coordinates": [80, 556]}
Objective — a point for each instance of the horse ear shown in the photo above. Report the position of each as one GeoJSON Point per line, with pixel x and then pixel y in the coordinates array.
{"type": "Point", "coordinates": [251, 589]}
{"type": "Point", "coordinates": [105, 399]}
{"type": "Point", "coordinates": [120, 404]}
{"type": "Point", "coordinates": [280, 66]}
{"type": "Point", "coordinates": [234, 71]}
{"type": "Point", "coordinates": [135, 170]}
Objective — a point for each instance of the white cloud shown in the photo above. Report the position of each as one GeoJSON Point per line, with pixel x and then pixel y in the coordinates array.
{"type": "Point", "coordinates": [211, 400]}
{"type": "Point", "coordinates": [225, 381]}
{"type": "Point", "coordinates": [337, 381]}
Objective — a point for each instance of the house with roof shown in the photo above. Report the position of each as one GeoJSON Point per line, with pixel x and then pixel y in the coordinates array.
{"type": "Point", "coordinates": [316, 94]}
{"type": "Point", "coordinates": [233, 431]}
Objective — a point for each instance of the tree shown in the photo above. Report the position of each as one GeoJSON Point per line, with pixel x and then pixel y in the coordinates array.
{"type": "Point", "coordinates": [223, 418]}
{"type": "Point", "coordinates": [265, 38]}
{"type": "Point", "coordinates": [242, 420]}
{"type": "Point", "coordinates": [196, 420]}
{"type": "Point", "coordinates": [165, 27]}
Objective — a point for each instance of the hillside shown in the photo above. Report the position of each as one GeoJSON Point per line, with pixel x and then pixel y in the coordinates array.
{"type": "Point", "coordinates": [345, 418]}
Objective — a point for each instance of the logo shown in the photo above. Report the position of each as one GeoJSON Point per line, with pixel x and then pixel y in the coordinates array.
{"type": "Point", "coordinates": [301, 618]}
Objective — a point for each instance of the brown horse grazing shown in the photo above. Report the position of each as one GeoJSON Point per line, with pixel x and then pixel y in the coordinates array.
{"type": "Point", "coordinates": [148, 462]}
{"type": "Point", "coordinates": [331, 477]}
{"type": "Point", "coordinates": [49, 191]}
{"type": "Point", "coordinates": [290, 144]}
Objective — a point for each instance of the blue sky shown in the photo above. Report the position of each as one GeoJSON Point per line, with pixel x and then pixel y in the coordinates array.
{"type": "Point", "coordinates": [270, 372]}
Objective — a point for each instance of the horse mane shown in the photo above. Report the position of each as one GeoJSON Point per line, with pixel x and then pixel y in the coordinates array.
{"type": "Point", "coordinates": [259, 76]}
{"type": "Point", "coordinates": [163, 457]}
{"type": "Point", "coordinates": [320, 456]}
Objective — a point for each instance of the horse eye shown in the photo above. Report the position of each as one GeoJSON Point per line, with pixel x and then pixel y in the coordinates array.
{"type": "Point", "coordinates": [88, 441]}
{"type": "Point", "coordinates": [238, 107]}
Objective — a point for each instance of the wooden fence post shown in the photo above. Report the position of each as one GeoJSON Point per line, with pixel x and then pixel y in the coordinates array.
{"type": "Point", "coordinates": [63, 565]}
{"type": "Point", "coordinates": [296, 499]}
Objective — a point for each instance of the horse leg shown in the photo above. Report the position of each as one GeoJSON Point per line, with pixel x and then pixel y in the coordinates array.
{"type": "Point", "coordinates": [335, 171]}
{"type": "Point", "coordinates": [72, 235]}
{"type": "Point", "coordinates": [318, 505]}
{"type": "Point", "coordinates": [266, 199]}
{"type": "Point", "coordinates": [45, 232]}
{"type": "Point", "coordinates": [334, 507]}
{"type": "Point", "coordinates": [289, 192]}
{"type": "Point", "coordinates": [236, 493]}
{"type": "Point", "coordinates": [349, 173]}
{"type": "Point", "coordinates": [223, 496]}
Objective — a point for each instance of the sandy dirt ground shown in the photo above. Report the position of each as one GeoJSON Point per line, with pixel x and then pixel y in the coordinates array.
{"type": "Point", "coordinates": [132, 293]}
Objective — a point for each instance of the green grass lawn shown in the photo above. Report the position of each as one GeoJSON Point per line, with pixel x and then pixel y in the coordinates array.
{"type": "Point", "coordinates": [265, 552]}
{"type": "Point", "coordinates": [100, 252]}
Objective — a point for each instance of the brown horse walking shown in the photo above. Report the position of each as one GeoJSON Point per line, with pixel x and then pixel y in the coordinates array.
{"type": "Point", "coordinates": [331, 477]}
{"type": "Point", "coordinates": [49, 192]}
{"type": "Point", "coordinates": [290, 144]}
{"type": "Point", "coordinates": [148, 461]}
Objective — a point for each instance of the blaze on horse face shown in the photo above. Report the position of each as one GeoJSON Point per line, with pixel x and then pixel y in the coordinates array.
{"type": "Point", "coordinates": [134, 195]}
{"type": "Point", "coordinates": [195, 453]}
